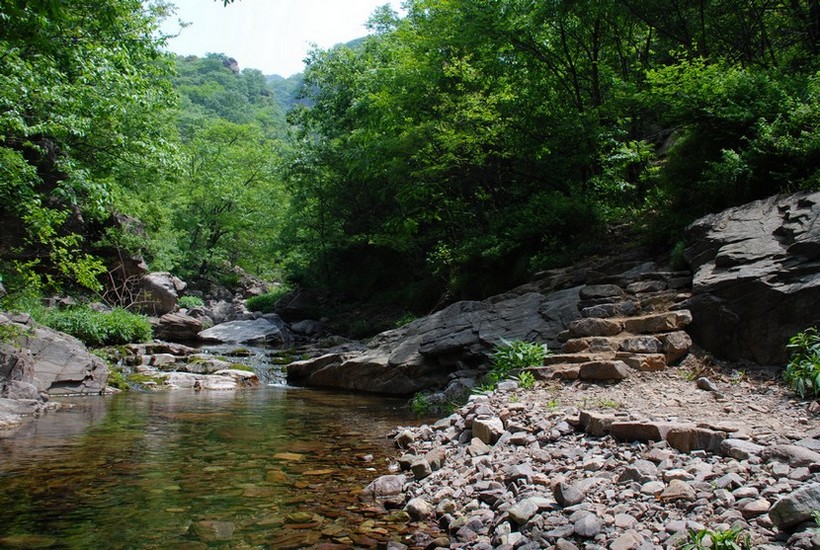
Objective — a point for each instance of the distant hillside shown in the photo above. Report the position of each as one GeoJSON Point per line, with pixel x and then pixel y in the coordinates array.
{"type": "Point", "coordinates": [284, 89]}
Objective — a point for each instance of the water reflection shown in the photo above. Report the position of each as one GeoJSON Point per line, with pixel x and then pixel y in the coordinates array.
{"type": "Point", "coordinates": [273, 467]}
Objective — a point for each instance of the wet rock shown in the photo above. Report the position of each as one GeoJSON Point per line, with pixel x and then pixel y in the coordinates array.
{"type": "Point", "coordinates": [404, 439]}
{"type": "Point", "coordinates": [386, 490]}
{"type": "Point", "coordinates": [266, 330]}
{"type": "Point", "coordinates": [213, 531]}
{"type": "Point", "coordinates": [419, 509]}
{"type": "Point", "coordinates": [421, 469]}
{"type": "Point", "coordinates": [177, 327]}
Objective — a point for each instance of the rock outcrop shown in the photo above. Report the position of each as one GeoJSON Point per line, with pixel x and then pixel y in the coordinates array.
{"type": "Point", "coordinates": [48, 360]}
{"type": "Point", "coordinates": [425, 352]}
{"type": "Point", "coordinates": [160, 292]}
{"type": "Point", "coordinates": [757, 277]}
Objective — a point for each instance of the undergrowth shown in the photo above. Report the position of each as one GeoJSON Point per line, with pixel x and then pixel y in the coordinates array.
{"type": "Point", "coordinates": [802, 372]}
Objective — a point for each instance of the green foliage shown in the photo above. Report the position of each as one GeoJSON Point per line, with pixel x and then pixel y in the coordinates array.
{"type": "Point", "coordinates": [96, 328]}
{"type": "Point", "coordinates": [82, 99]}
{"type": "Point", "coordinates": [513, 356]}
{"type": "Point", "coordinates": [266, 302]}
{"type": "Point", "coordinates": [9, 333]}
{"type": "Point", "coordinates": [405, 320]}
{"type": "Point", "coordinates": [732, 539]}
{"type": "Point", "coordinates": [189, 302]}
{"type": "Point", "coordinates": [423, 405]}
{"type": "Point", "coordinates": [420, 404]}
{"type": "Point", "coordinates": [802, 372]}
{"type": "Point", "coordinates": [118, 380]}
{"type": "Point", "coordinates": [526, 380]}
{"type": "Point", "coordinates": [517, 354]}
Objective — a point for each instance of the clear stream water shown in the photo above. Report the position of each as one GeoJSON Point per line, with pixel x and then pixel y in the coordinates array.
{"type": "Point", "coordinates": [270, 467]}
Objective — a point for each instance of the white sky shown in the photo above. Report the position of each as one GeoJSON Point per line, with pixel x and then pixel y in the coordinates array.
{"type": "Point", "coordinates": [273, 36]}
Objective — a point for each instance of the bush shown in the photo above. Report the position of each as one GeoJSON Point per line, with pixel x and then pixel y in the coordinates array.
{"type": "Point", "coordinates": [803, 370]}
{"type": "Point", "coordinates": [190, 302]}
{"type": "Point", "coordinates": [517, 354]}
{"type": "Point", "coordinates": [266, 302]}
{"type": "Point", "coordinates": [513, 355]}
{"type": "Point", "coordinates": [95, 328]}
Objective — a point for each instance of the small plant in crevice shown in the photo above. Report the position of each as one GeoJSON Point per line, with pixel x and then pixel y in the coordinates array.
{"type": "Point", "coordinates": [802, 373]}
{"type": "Point", "coordinates": [706, 539]}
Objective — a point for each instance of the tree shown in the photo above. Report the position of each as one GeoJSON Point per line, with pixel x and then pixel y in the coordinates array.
{"type": "Point", "coordinates": [83, 86]}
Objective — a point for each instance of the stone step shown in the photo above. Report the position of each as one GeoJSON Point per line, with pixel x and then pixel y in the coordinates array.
{"type": "Point", "coordinates": [643, 362]}
{"type": "Point", "coordinates": [592, 326]}
{"type": "Point", "coordinates": [668, 321]}
{"type": "Point", "coordinates": [593, 371]}
{"type": "Point", "coordinates": [673, 345]}
{"type": "Point", "coordinates": [571, 358]}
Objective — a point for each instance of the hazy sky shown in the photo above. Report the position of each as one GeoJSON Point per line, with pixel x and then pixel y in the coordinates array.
{"type": "Point", "coordinates": [273, 36]}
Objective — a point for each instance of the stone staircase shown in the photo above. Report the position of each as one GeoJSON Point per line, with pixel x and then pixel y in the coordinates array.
{"type": "Point", "coordinates": [625, 326]}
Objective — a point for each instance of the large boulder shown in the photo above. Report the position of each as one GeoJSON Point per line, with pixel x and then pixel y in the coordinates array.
{"type": "Point", "coordinates": [48, 360]}
{"type": "Point", "coordinates": [268, 329]}
{"type": "Point", "coordinates": [160, 292]}
{"type": "Point", "coordinates": [423, 354]}
{"type": "Point", "coordinates": [177, 327]}
{"type": "Point", "coordinates": [757, 277]}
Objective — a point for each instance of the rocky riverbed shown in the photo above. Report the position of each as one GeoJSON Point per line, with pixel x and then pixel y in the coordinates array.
{"type": "Point", "coordinates": [635, 465]}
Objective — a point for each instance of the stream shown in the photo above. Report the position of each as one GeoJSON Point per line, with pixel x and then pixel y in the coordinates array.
{"type": "Point", "coordinates": [269, 467]}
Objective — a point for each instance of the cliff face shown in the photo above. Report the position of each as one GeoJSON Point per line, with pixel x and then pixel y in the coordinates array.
{"type": "Point", "coordinates": [757, 277]}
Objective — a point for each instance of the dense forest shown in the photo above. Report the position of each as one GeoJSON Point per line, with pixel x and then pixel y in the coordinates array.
{"type": "Point", "coordinates": [453, 152]}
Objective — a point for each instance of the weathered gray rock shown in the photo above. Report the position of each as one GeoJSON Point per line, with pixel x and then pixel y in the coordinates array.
{"type": "Point", "coordinates": [594, 326]}
{"type": "Point", "coordinates": [642, 344]}
{"type": "Point", "coordinates": [423, 353]}
{"type": "Point", "coordinates": [51, 361]}
{"type": "Point", "coordinates": [160, 292]}
{"type": "Point", "coordinates": [177, 327]}
{"type": "Point", "coordinates": [739, 449]}
{"type": "Point", "coordinates": [757, 276]}
{"type": "Point", "coordinates": [523, 511]}
{"type": "Point", "coordinates": [690, 438]}
{"type": "Point", "coordinates": [385, 490]}
{"type": "Point", "coordinates": [796, 507]}
{"type": "Point", "coordinates": [793, 455]}
{"type": "Point", "coordinates": [675, 345]}
{"type": "Point", "coordinates": [269, 329]}
{"type": "Point", "coordinates": [567, 495]}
